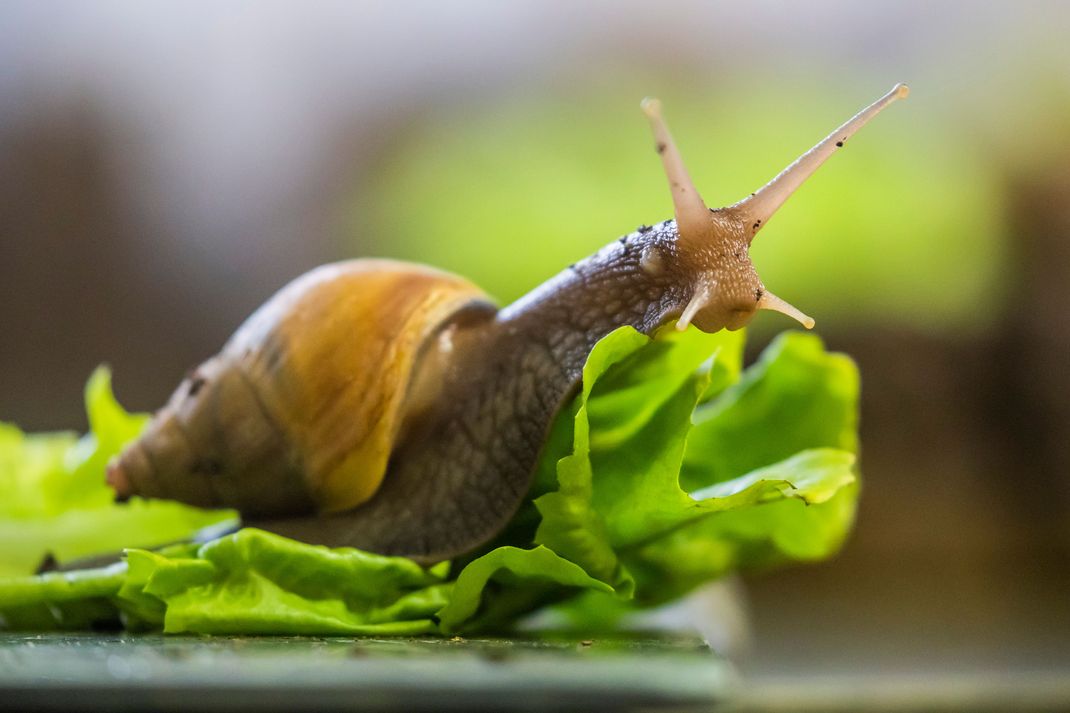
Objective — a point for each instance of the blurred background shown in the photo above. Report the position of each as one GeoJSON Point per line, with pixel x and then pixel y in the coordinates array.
{"type": "Point", "coordinates": [165, 167]}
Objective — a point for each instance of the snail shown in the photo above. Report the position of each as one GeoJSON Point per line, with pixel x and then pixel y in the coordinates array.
{"type": "Point", "coordinates": [395, 408]}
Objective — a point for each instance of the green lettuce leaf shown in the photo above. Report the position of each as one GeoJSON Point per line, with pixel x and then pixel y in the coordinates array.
{"type": "Point", "coordinates": [621, 510]}
{"type": "Point", "coordinates": [254, 582]}
{"type": "Point", "coordinates": [809, 399]}
{"type": "Point", "coordinates": [522, 575]}
{"type": "Point", "coordinates": [248, 582]}
{"type": "Point", "coordinates": [672, 467]}
{"type": "Point", "coordinates": [56, 503]}
{"type": "Point", "coordinates": [61, 600]}
{"type": "Point", "coordinates": [796, 396]}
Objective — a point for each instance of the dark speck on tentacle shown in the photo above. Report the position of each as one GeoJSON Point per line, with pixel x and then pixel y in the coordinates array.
{"type": "Point", "coordinates": [196, 383]}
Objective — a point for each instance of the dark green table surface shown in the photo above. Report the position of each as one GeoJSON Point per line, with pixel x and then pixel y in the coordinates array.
{"type": "Point", "coordinates": [133, 672]}
{"type": "Point", "coordinates": [121, 672]}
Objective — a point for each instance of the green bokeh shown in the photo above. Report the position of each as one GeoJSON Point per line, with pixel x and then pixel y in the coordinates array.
{"type": "Point", "coordinates": [904, 227]}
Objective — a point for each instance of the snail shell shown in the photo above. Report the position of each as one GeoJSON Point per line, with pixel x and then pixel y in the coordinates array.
{"type": "Point", "coordinates": [302, 408]}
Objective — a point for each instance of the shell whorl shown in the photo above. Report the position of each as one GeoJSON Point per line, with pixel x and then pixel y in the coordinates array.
{"type": "Point", "coordinates": [301, 410]}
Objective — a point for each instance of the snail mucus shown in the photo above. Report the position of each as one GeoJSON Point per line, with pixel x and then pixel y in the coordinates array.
{"type": "Point", "coordinates": [393, 407]}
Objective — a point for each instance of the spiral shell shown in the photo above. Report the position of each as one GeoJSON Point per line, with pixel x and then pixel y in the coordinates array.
{"type": "Point", "coordinates": [301, 409]}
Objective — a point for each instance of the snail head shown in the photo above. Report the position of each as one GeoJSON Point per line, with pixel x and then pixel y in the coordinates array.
{"type": "Point", "coordinates": [712, 246]}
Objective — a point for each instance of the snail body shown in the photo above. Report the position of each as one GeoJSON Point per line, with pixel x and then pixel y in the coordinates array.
{"type": "Point", "coordinates": [392, 407]}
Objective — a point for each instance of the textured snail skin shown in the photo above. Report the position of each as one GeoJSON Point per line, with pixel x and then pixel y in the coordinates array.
{"type": "Point", "coordinates": [467, 463]}
{"type": "Point", "coordinates": [295, 388]}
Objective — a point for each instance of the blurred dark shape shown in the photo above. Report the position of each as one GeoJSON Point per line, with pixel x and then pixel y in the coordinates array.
{"type": "Point", "coordinates": [76, 291]}
{"type": "Point", "coordinates": [1031, 386]}
{"type": "Point", "coordinates": [66, 263]}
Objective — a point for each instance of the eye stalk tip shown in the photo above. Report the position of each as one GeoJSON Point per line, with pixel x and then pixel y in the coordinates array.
{"type": "Point", "coordinates": [651, 107]}
{"type": "Point", "coordinates": [760, 206]}
{"type": "Point", "coordinates": [771, 302]}
{"type": "Point", "coordinates": [692, 215]}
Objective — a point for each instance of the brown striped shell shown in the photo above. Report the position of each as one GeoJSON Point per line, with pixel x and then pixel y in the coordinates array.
{"type": "Point", "coordinates": [301, 409]}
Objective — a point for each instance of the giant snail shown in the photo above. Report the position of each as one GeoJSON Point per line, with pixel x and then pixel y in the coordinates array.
{"type": "Point", "coordinates": [393, 407]}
